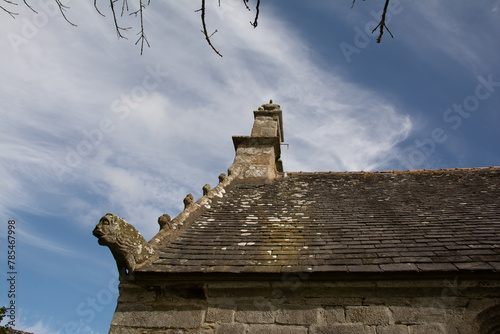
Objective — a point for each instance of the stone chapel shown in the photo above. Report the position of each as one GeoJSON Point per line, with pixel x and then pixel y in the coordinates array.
{"type": "Point", "coordinates": [269, 252]}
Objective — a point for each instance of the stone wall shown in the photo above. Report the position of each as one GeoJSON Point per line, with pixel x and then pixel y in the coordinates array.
{"type": "Point", "coordinates": [296, 306]}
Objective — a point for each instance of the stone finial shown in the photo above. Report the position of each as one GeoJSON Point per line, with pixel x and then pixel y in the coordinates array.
{"type": "Point", "coordinates": [188, 201]}
{"type": "Point", "coordinates": [125, 243]}
{"type": "Point", "coordinates": [165, 222]}
{"type": "Point", "coordinates": [206, 189]}
{"type": "Point", "coordinates": [222, 177]}
{"type": "Point", "coordinates": [270, 106]}
{"type": "Point", "coordinates": [230, 171]}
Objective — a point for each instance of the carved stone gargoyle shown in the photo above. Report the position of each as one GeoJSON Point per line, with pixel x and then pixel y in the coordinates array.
{"type": "Point", "coordinates": [125, 243]}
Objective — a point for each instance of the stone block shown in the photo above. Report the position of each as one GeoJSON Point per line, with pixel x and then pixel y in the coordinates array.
{"type": "Point", "coordinates": [342, 329]}
{"type": "Point", "coordinates": [298, 316]}
{"type": "Point", "coordinates": [122, 330]}
{"type": "Point", "coordinates": [156, 319]}
{"type": "Point", "coordinates": [427, 329]}
{"type": "Point", "coordinates": [216, 314]}
{"type": "Point", "coordinates": [334, 301]}
{"type": "Point", "coordinates": [234, 328]}
{"type": "Point", "coordinates": [276, 329]}
{"type": "Point", "coordinates": [238, 285]}
{"type": "Point", "coordinates": [128, 330]}
{"type": "Point", "coordinates": [392, 329]}
{"type": "Point", "coordinates": [417, 315]}
{"type": "Point", "coordinates": [368, 315]}
{"type": "Point", "coordinates": [132, 293]}
{"type": "Point", "coordinates": [254, 316]}
{"type": "Point", "coordinates": [334, 315]}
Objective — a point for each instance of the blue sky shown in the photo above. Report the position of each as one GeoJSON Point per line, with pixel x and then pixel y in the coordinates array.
{"type": "Point", "coordinates": [88, 126]}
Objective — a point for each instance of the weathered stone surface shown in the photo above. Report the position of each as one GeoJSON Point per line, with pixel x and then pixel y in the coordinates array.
{"type": "Point", "coordinates": [125, 243]}
{"type": "Point", "coordinates": [297, 316]}
{"type": "Point", "coordinates": [159, 319]}
{"type": "Point", "coordinates": [131, 293]}
{"type": "Point", "coordinates": [188, 201]}
{"type": "Point", "coordinates": [369, 315]}
{"type": "Point", "coordinates": [129, 330]}
{"type": "Point", "coordinates": [123, 330]}
{"type": "Point", "coordinates": [206, 189]}
{"type": "Point", "coordinates": [254, 316]}
{"type": "Point", "coordinates": [334, 315]}
{"type": "Point", "coordinates": [275, 329]}
{"type": "Point", "coordinates": [216, 314]}
{"type": "Point", "coordinates": [234, 328]}
{"type": "Point", "coordinates": [165, 222]}
{"type": "Point", "coordinates": [427, 329]}
{"type": "Point", "coordinates": [341, 329]}
{"type": "Point", "coordinates": [417, 315]}
{"type": "Point", "coordinates": [257, 155]}
{"type": "Point", "coordinates": [392, 329]}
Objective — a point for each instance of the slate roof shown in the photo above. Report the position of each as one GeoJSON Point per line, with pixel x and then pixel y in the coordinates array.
{"type": "Point", "coordinates": [345, 222]}
{"type": "Point", "coordinates": [16, 331]}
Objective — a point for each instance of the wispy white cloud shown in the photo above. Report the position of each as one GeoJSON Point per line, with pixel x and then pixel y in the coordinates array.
{"type": "Point", "coordinates": [176, 137]}
{"type": "Point", "coordinates": [449, 29]}
{"type": "Point", "coordinates": [44, 325]}
{"type": "Point", "coordinates": [44, 243]}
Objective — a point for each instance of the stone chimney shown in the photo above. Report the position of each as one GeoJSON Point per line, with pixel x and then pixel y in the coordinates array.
{"type": "Point", "coordinates": [257, 157]}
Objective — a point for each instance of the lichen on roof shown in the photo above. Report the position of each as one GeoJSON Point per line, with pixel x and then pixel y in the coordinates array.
{"type": "Point", "coordinates": [420, 221]}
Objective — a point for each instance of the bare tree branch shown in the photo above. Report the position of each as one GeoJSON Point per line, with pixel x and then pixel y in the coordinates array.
{"type": "Point", "coordinates": [10, 2]}
{"type": "Point", "coordinates": [117, 26]}
{"type": "Point", "coordinates": [124, 4]}
{"type": "Point", "coordinates": [27, 5]}
{"type": "Point", "coordinates": [140, 12]}
{"type": "Point", "coordinates": [245, 2]}
{"type": "Point", "coordinates": [142, 38]}
{"type": "Point", "coordinates": [255, 23]}
{"type": "Point", "coordinates": [63, 8]}
{"type": "Point", "coordinates": [13, 14]}
{"type": "Point", "coordinates": [353, 1]}
{"type": "Point", "coordinates": [382, 23]}
{"type": "Point", "coordinates": [204, 31]}
{"type": "Point", "coordinates": [97, 9]}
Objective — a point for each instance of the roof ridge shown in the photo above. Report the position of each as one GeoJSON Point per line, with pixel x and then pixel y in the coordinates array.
{"type": "Point", "coordinates": [190, 213]}
{"type": "Point", "coordinates": [395, 171]}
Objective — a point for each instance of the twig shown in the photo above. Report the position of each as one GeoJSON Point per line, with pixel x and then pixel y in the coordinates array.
{"type": "Point", "coordinates": [97, 9]}
{"type": "Point", "coordinates": [117, 27]}
{"type": "Point", "coordinates": [27, 5]}
{"type": "Point", "coordinates": [246, 4]}
{"type": "Point", "coordinates": [13, 14]}
{"type": "Point", "coordinates": [142, 38]}
{"type": "Point", "coordinates": [62, 8]}
{"type": "Point", "coordinates": [353, 1]}
{"type": "Point", "coordinates": [255, 23]}
{"type": "Point", "coordinates": [8, 11]}
{"type": "Point", "coordinates": [124, 4]}
{"type": "Point", "coordinates": [382, 23]}
{"type": "Point", "coordinates": [204, 31]}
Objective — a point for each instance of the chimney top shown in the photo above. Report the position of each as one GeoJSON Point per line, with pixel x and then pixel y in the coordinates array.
{"type": "Point", "coordinates": [270, 106]}
{"type": "Point", "coordinates": [257, 157]}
